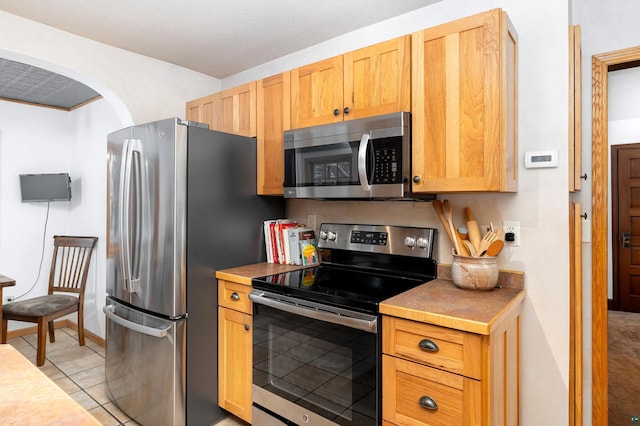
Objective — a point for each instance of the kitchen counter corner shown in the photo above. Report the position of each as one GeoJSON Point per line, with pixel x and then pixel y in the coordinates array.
{"type": "Point", "coordinates": [440, 302]}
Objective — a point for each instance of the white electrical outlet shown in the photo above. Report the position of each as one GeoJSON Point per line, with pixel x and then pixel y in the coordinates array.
{"type": "Point", "coordinates": [511, 227]}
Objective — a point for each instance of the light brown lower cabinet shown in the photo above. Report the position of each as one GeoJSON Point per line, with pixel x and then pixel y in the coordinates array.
{"type": "Point", "coordinates": [433, 375]}
{"type": "Point", "coordinates": [235, 335]}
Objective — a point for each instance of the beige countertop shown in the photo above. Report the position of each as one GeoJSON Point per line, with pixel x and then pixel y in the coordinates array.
{"type": "Point", "coordinates": [440, 302]}
{"type": "Point", "coordinates": [28, 397]}
{"type": "Point", "coordinates": [244, 274]}
{"type": "Point", "coordinates": [437, 302]}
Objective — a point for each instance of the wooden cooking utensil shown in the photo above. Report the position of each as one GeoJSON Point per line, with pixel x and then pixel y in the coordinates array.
{"type": "Point", "coordinates": [437, 206]}
{"type": "Point", "coordinates": [486, 241]}
{"type": "Point", "coordinates": [448, 214]}
{"type": "Point", "coordinates": [461, 249]}
{"type": "Point", "coordinates": [495, 248]}
{"type": "Point", "coordinates": [453, 237]}
{"type": "Point", "coordinates": [470, 247]}
{"type": "Point", "coordinates": [473, 229]}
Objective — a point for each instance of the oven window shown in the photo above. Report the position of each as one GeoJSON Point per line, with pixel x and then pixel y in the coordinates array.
{"type": "Point", "coordinates": [329, 369]}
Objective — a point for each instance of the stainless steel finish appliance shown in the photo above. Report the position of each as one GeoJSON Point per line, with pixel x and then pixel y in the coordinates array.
{"type": "Point", "coordinates": [364, 158]}
{"type": "Point", "coordinates": [181, 204]}
{"type": "Point", "coordinates": [317, 331]}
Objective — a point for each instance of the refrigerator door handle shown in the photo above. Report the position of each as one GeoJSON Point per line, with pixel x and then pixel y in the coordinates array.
{"type": "Point", "coordinates": [150, 331]}
{"type": "Point", "coordinates": [130, 253]}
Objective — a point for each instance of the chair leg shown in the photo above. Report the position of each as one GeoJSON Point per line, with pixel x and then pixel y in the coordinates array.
{"type": "Point", "coordinates": [52, 334]}
{"type": "Point", "coordinates": [80, 327]}
{"type": "Point", "coordinates": [3, 338]}
{"type": "Point", "coordinates": [42, 342]}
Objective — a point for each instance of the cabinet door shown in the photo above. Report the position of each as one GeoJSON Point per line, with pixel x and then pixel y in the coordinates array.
{"type": "Point", "coordinates": [206, 110]}
{"type": "Point", "coordinates": [239, 110]}
{"type": "Point", "coordinates": [377, 79]}
{"type": "Point", "coordinates": [575, 109]}
{"type": "Point", "coordinates": [316, 93]}
{"type": "Point", "coordinates": [273, 118]}
{"type": "Point", "coordinates": [234, 362]}
{"type": "Point", "coordinates": [464, 124]}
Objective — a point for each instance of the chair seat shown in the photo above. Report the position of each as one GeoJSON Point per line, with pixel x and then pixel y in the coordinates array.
{"type": "Point", "coordinates": [40, 306]}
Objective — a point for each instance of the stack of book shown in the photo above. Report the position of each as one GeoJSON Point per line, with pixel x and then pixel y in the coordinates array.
{"type": "Point", "coordinates": [288, 242]}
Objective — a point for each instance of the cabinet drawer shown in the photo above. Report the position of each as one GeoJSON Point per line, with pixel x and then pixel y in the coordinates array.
{"type": "Point", "coordinates": [410, 388]}
{"type": "Point", "coordinates": [452, 350]}
{"type": "Point", "coordinates": [234, 296]}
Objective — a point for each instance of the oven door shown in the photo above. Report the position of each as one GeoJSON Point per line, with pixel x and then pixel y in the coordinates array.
{"type": "Point", "coordinates": [313, 364]}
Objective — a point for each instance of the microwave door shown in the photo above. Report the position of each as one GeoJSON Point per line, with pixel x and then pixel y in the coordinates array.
{"type": "Point", "coordinates": [331, 170]}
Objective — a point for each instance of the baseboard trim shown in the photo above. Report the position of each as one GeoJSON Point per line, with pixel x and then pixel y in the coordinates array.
{"type": "Point", "coordinates": [57, 324]}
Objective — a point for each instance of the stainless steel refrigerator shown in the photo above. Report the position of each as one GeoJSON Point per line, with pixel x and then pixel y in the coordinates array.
{"type": "Point", "coordinates": [182, 204]}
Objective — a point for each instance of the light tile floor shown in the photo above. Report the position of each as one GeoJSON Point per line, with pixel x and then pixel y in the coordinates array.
{"type": "Point", "coordinates": [79, 371]}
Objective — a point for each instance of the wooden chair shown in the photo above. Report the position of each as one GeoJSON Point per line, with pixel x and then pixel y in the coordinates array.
{"type": "Point", "coordinates": [69, 267]}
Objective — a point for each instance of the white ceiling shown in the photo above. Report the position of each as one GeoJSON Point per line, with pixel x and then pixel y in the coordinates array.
{"type": "Point", "coordinates": [216, 37]}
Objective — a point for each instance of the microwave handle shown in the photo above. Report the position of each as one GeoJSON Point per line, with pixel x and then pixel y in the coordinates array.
{"type": "Point", "coordinates": [362, 163]}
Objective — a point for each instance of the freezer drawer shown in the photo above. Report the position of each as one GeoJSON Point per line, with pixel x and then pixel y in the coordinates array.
{"type": "Point", "coordinates": [145, 365]}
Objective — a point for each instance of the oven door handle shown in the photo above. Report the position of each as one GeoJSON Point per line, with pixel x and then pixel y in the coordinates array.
{"type": "Point", "coordinates": [368, 323]}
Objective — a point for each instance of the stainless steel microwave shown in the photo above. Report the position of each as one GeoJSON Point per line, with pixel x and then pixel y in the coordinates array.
{"type": "Point", "coordinates": [362, 158]}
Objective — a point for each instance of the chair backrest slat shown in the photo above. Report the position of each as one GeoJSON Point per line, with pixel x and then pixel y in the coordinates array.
{"type": "Point", "coordinates": [70, 263]}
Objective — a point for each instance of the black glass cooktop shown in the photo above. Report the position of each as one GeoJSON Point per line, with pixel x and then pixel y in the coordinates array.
{"type": "Point", "coordinates": [349, 288]}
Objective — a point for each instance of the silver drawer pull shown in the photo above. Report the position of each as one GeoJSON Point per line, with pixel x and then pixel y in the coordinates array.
{"type": "Point", "coordinates": [428, 345]}
{"type": "Point", "coordinates": [235, 296]}
{"type": "Point", "coordinates": [428, 403]}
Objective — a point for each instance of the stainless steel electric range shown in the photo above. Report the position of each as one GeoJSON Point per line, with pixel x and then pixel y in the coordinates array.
{"type": "Point", "coordinates": [317, 331]}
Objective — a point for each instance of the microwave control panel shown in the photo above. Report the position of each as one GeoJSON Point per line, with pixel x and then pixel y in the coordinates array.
{"type": "Point", "coordinates": [388, 160]}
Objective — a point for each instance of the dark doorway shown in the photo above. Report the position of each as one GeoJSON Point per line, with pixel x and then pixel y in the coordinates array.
{"type": "Point", "coordinates": [625, 215]}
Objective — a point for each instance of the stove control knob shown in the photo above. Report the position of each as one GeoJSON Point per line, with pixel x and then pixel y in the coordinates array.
{"type": "Point", "coordinates": [422, 242]}
{"type": "Point", "coordinates": [332, 236]}
{"type": "Point", "coordinates": [410, 242]}
{"type": "Point", "coordinates": [323, 235]}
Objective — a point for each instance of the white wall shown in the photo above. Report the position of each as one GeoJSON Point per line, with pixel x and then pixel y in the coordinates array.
{"type": "Point", "coordinates": [29, 148]}
{"type": "Point", "coordinates": [541, 204]}
{"type": "Point", "coordinates": [44, 140]}
{"type": "Point", "coordinates": [90, 125]}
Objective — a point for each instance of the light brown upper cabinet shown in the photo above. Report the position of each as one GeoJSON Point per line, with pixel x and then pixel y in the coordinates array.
{"type": "Point", "coordinates": [575, 109]}
{"type": "Point", "coordinates": [239, 110]}
{"type": "Point", "coordinates": [206, 110]}
{"type": "Point", "coordinates": [366, 82]}
{"type": "Point", "coordinates": [464, 106]}
{"type": "Point", "coordinates": [273, 118]}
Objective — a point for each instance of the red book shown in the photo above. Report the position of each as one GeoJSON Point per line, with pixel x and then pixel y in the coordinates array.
{"type": "Point", "coordinates": [284, 224]}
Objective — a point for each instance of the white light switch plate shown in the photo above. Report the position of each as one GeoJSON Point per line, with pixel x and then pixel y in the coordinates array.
{"type": "Point", "coordinates": [586, 231]}
{"type": "Point", "coordinates": [311, 221]}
